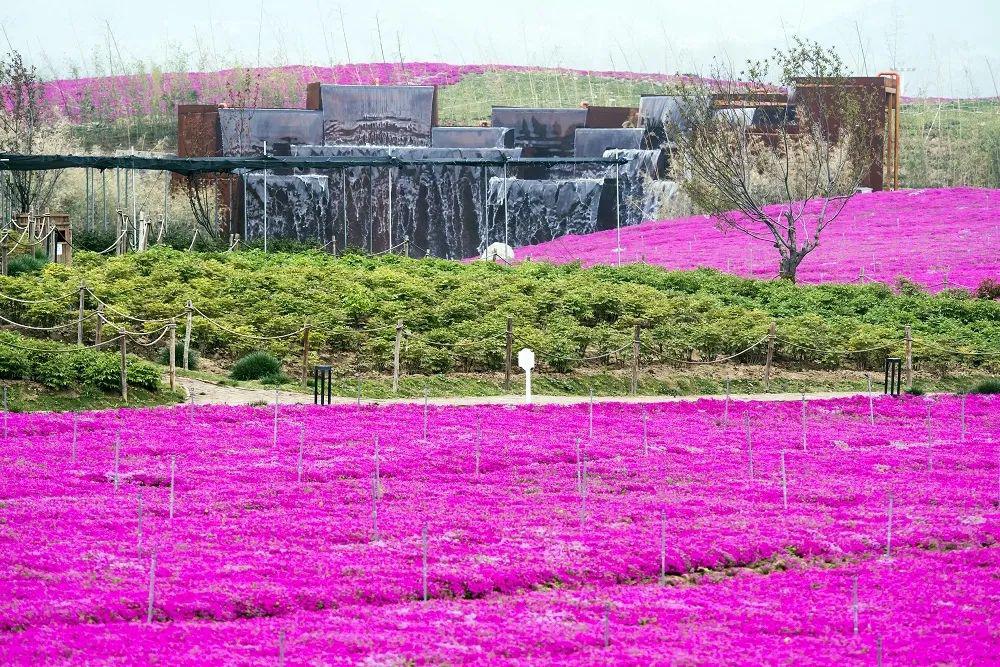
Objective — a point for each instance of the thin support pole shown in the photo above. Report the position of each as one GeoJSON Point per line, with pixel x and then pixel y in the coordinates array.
{"type": "Point", "coordinates": [173, 354]}
{"type": "Point", "coordinates": [506, 209]}
{"type": "Point", "coordinates": [124, 363]}
{"type": "Point", "coordinates": [390, 209]}
{"type": "Point", "coordinates": [771, 334]}
{"type": "Point", "coordinates": [395, 356]}
{"type": "Point", "coordinates": [265, 201]}
{"type": "Point", "coordinates": [618, 212]}
{"type": "Point", "coordinates": [909, 357]}
{"type": "Point", "coordinates": [79, 318]}
{"type": "Point", "coordinates": [636, 345]}
{"type": "Point", "coordinates": [166, 198]}
{"type": "Point", "coordinates": [189, 310]}
{"type": "Point", "coordinates": [508, 354]}
{"type": "Point", "coordinates": [305, 353]}
{"type": "Point", "coordinates": [104, 196]}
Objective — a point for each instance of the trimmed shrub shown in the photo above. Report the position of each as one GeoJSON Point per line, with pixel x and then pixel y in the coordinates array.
{"type": "Point", "coordinates": [255, 366]}
{"type": "Point", "coordinates": [193, 356]}
{"type": "Point", "coordinates": [22, 265]}
{"type": "Point", "coordinates": [988, 386]}
{"type": "Point", "coordinates": [275, 379]}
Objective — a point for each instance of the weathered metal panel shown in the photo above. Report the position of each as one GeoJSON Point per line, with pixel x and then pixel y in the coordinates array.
{"type": "Point", "coordinates": [198, 130]}
{"type": "Point", "coordinates": [377, 115]}
{"type": "Point", "coordinates": [244, 131]}
{"type": "Point", "coordinates": [592, 142]}
{"type": "Point", "coordinates": [610, 117]}
{"type": "Point", "coordinates": [472, 137]}
{"type": "Point", "coordinates": [541, 132]}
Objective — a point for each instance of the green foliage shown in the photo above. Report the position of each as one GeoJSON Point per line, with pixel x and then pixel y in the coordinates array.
{"type": "Point", "coordinates": [256, 366]}
{"type": "Point", "coordinates": [988, 386]}
{"type": "Point", "coordinates": [455, 314]}
{"type": "Point", "coordinates": [60, 366]}
{"type": "Point", "coordinates": [27, 264]}
{"type": "Point", "coordinates": [193, 356]}
{"type": "Point", "coordinates": [275, 379]}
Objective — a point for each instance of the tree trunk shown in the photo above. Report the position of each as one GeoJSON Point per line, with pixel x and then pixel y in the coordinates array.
{"type": "Point", "coordinates": [789, 265]}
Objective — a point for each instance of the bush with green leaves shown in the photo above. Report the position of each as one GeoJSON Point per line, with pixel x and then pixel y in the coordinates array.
{"type": "Point", "coordinates": [455, 313]}
{"type": "Point", "coordinates": [27, 264]}
{"type": "Point", "coordinates": [988, 386]}
{"type": "Point", "coordinates": [193, 356]}
{"type": "Point", "coordinates": [256, 366]}
{"type": "Point", "coordinates": [61, 366]}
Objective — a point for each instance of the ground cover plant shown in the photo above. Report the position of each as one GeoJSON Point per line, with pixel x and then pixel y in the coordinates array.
{"type": "Point", "coordinates": [455, 314]}
{"type": "Point", "coordinates": [709, 531]}
{"type": "Point", "coordinates": [938, 239]}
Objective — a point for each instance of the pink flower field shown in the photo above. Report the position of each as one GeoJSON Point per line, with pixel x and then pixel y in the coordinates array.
{"type": "Point", "coordinates": [836, 531]}
{"type": "Point", "coordinates": [937, 238]}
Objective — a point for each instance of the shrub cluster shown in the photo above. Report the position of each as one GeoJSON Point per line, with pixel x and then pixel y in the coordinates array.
{"type": "Point", "coordinates": [455, 314]}
{"type": "Point", "coordinates": [62, 366]}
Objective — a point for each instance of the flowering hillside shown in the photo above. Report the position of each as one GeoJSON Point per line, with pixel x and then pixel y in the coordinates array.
{"type": "Point", "coordinates": [938, 238]}
{"type": "Point", "coordinates": [528, 534]}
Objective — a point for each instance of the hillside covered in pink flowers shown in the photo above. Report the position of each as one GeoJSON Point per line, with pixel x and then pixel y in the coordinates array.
{"type": "Point", "coordinates": [938, 238]}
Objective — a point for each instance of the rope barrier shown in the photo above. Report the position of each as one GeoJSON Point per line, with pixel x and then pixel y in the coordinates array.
{"type": "Point", "coordinates": [841, 352]}
{"type": "Point", "coordinates": [54, 299]}
{"type": "Point", "coordinates": [56, 327]}
{"type": "Point", "coordinates": [713, 361]}
{"type": "Point", "coordinates": [67, 350]}
{"type": "Point", "coordinates": [243, 335]}
{"type": "Point", "coordinates": [952, 351]}
{"type": "Point", "coordinates": [108, 307]}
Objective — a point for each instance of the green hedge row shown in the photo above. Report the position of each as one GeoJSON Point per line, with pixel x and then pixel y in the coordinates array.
{"type": "Point", "coordinates": [457, 312]}
{"type": "Point", "coordinates": [62, 366]}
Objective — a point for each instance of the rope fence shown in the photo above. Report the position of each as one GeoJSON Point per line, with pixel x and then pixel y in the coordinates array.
{"type": "Point", "coordinates": [634, 352]}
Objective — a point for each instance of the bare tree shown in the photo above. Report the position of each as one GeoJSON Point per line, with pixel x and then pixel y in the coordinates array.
{"type": "Point", "coordinates": [27, 125]}
{"type": "Point", "coordinates": [740, 146]}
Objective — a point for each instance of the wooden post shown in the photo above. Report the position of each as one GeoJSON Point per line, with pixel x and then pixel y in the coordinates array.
{"type": "Point", "coordinates": [173, 354]}
{"type": "Point", "coordinates": [305, 353]}
{"type": "Point", "coordinates": [187, 335]}
{"type": "Point", "coordinates": [124, 373]}
{"type": "Point", "coordinates": [4, 256]}
{"type": "Point", "coordinates": [635, 360]}
{"type": "Point", "coordinates": [79, 317]}
{"type": "Point", "coordinates": [395, 356]}
{"type": "Point", "coordinates": [909, 358]}
{"type": "Point", "coordinates": [100, 324]}
{"type": "Point", "coordinates": [771, 333]}
{"type": "Point", "coordinates": [509, 353]}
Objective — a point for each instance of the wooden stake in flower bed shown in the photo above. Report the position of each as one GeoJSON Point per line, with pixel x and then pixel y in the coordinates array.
{"type": "Point", "coordinates": [645, 438]}
{"type": "Point", "coordinates": [725, 412]}
{"type": "Point", "coordinates": [173, 472]}
{"type": "Point", "coordinates": [854, 605]}
{"type": "Point", "coordinates": [804, 447]}
{"type": "Point", "coordinates": [302, 444]}
{"type": "Point", "coordinates": [888, 531]}
{"type": "Point", "coordinates": [72, 459]}
{"type": "Point", "coordinates": [871, 402]}
{"type": "Point", "coordinates": [138, 526]}
{"type": "Point", "coordinates": [118, 444]}
{"type": "Point", "coordinates": [962, 436]}
{"type": "Point", "coordinates": [423, 539]}
{"type": "Point", "coordinates": [152, 588]}
{"type": "Point", "coordinates": [590, 414]}
{"type": "Point", "coordinates": [281, 648]}
{"type": "Point", "coordinates": [427, 394]}
{"type": "Point", "coordinates": [746, 425]}
{"type": "Point", "coordinates": [784, 483]}
{"type": "Point", "coordinates": [663, 548]}
{"type": "Point", "coordinates": [275, 440]}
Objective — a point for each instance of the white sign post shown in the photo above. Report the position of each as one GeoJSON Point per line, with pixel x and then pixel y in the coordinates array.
{"type": "Point", "coordinates": [526, 360]}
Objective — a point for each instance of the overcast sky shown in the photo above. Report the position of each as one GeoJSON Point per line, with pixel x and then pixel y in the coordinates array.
{"type": "Point", "coordinates": [942, 48]}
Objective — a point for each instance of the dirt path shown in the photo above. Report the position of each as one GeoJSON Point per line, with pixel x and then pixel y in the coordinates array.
{"type": "Point", "coordinates": [208, 393]}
